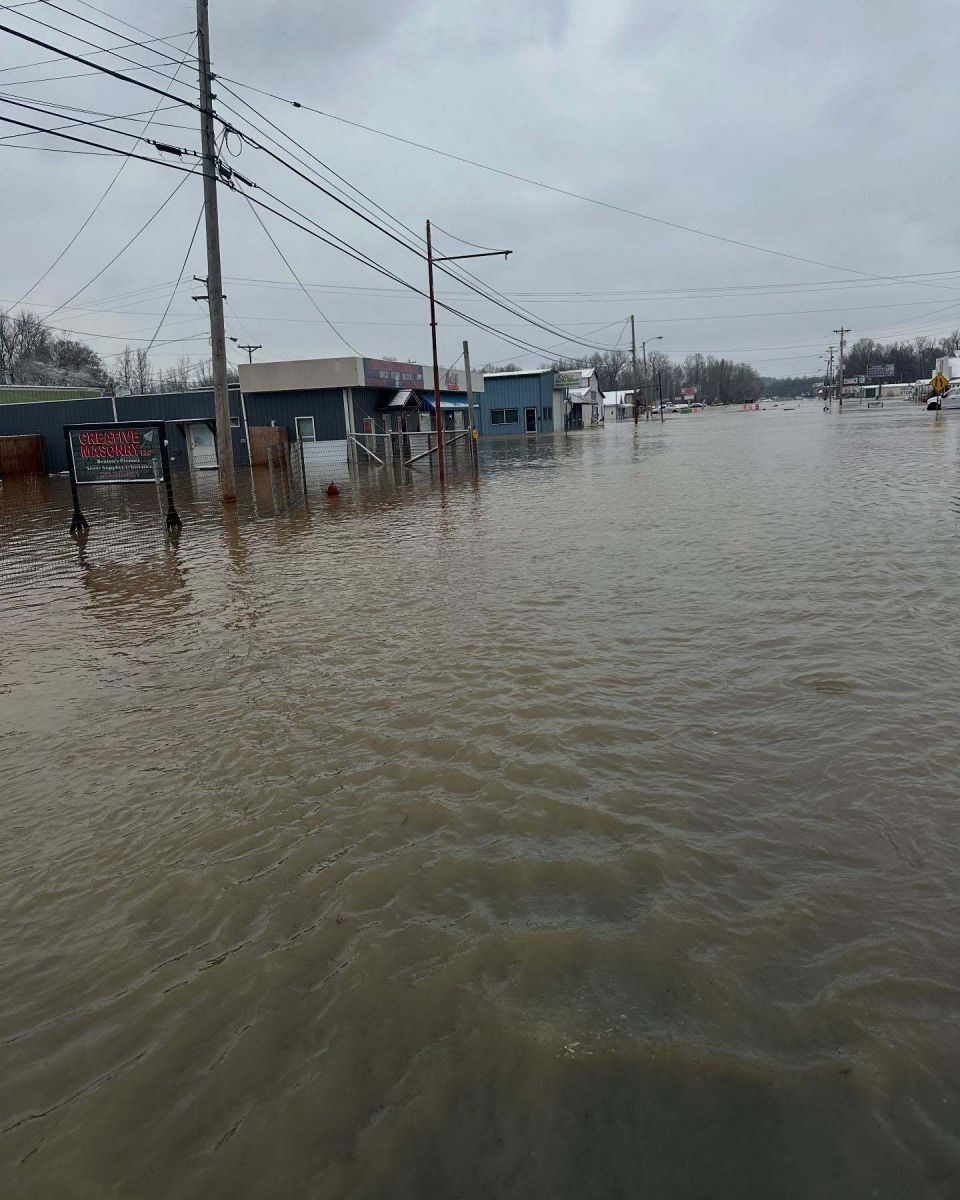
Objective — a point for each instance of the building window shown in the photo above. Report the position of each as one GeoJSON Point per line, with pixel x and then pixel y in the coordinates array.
{"type": "Point", "coordinates": [504, 416]}
{"type": "Point", "coordinates": [306, 430]}
{"type": "Point", "coordinates": [548, 414]}
{"type": "Point", "coordinates": [234, 422]}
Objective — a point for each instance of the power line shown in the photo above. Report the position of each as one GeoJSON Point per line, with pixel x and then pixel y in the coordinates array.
{"type": "Point", "coordinates": [43, 62]}
{"type": "Point", "coordinates": [96, 25]}
{"type": "Point", "coordinates": [558, 190]}
{"type": "Point", "coordinates": [153, 216]}
{"type": "Point", "coordinates": [359, 256]}
{"type": "Point", "coordinates": [95, 46]}
{"type": "Point", "coordinates": [98, 68]}
{"type": "Point", "coordinates": [176, 286]}
{"type": "Point", "coordinates": [69, 137]}
{"type": "Point", "coordinates": [485, 290]}
{"type": "Point", "coordinates": [300, 282]}
{"type": "Point", "coordinates": [91, 112]}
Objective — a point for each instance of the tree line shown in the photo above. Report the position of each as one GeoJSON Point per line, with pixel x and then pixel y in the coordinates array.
{"type": "Point", "coordinates": [32, 353]}
{"type": "Point", "coordinates": [912, 360]}
{"type": "Point", "coordinates": [717, 380]}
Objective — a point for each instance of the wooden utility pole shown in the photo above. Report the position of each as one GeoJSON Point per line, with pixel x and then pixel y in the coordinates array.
{"type": "Point", "coordinates": [843, 333]}
{"type": "Point", "coordinates": [470, 425]}
{"type": "Point", "coordinates": [218, 348]}
{"type": "Point", "coordinates": [249, 350]}
{"type": "Point", "coordinates": [633, 354]}
{"type": "Point", "coordinates": [646, 403]}
{"type": "Point", "coordinates": [436, 363]}
{"type": "Point", "coordinates": [433, 330]}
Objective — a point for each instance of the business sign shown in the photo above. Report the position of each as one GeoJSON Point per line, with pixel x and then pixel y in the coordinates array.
{"type": "Point", "coordinates": [386, 373]}
{"type": "Point", "coordinates": [568, 379]}
{"type": "Point", "coordinates": [689, 392]}
{"type": "Point", "coordinates": [854, 380]}
{"type": "Point", "coordinates": [116, 454]}
{"type": "Point", "coordinates": [882, 371]}
{"type": "Point", "coordinates": [122, 452]}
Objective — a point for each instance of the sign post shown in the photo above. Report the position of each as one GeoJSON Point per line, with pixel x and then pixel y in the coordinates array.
{"type": "Point", "coordinates": [118, 452]}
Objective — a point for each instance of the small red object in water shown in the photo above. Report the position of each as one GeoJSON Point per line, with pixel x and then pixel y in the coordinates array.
{"type": "Point", "coordinates": [332, 489]}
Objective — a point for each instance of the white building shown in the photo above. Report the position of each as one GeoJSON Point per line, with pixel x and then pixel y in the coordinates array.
{"type": "Point", "coordinates": [577, 399]}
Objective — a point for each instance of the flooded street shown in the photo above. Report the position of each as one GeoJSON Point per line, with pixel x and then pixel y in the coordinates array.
{"type": "Point", "coordinates": [590, 831]}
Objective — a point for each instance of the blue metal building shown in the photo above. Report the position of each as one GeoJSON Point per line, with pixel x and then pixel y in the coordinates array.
{"type": "Point", "coordinates": [189, 418]}
{"type": "Point", "coordinates": [516, 402]}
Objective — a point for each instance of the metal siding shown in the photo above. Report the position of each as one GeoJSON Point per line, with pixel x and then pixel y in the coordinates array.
{"type": "Point", "coordinates": [48, 419]}
{"type": "Point", "coordinates": [511, 391]}
{"type": "Point", "coordinates": [325, 405]}
{"type": "Point", "coordinates": [172, 407]}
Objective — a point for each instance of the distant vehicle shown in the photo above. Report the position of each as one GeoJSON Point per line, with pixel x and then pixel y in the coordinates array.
{"type": "Point", "coordinates": [949, 400]}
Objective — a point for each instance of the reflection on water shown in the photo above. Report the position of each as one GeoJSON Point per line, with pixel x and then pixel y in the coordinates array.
{"type": "Point", "coordinates": [588, 829]}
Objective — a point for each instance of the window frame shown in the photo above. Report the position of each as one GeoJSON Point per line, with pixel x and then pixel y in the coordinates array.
{"type": "Point", "coordinates": [507, 416]}
{"type": "Point", "coordinates": [313, 426]}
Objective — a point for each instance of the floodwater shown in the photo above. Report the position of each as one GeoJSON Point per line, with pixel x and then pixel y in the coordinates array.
{"type": "Point", "coordinates": [590, 831]}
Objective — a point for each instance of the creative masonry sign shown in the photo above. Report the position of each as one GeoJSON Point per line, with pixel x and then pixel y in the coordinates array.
{"type": "Point", "coordinates": [122, 452]}
{"type": "Point", "coordinates": [118, 454]}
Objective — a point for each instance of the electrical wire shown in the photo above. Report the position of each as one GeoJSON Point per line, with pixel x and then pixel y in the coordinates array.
{"type": "Point", "coordinates": [457, 273]}
{"type": "Point", "coordinates": [106, 192]}
{"type": "Point", "coordinates": [300, 281]}
{"type": "Point", "coordinates": [153, 216]}
{"type": "Point", "coordinates": [558, 190]}
{"type": "Point", "coordinates": [98, 68]}
{"type": "Point", "coordinates": [69, 137]}
{"type": "Point", "coordinates": [359, 256]}
{"type": "Point", "coordinates": [176, 286]}
{"type": "Point", "coordinates": [43, 62]}
{"type": "Point", "coordinates": [95, 46]}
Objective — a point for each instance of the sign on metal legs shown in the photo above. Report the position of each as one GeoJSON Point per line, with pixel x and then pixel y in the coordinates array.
{"type": "Point", "coordinates": [124, 452]}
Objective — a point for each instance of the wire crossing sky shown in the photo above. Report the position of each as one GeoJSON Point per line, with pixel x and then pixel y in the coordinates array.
{"type": "Point", "coordinates": [750, 122]}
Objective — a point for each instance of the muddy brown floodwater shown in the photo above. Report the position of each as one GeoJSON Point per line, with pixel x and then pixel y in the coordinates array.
{"type": "Point", "coordinates": [590, 831]}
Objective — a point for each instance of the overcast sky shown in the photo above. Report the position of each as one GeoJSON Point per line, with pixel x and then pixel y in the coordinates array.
{"type": "Point", "coordinates": [823, 130]}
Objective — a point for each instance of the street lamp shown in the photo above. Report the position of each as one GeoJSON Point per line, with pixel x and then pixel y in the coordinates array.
{"type": "Point", "coordinates": [658, 338]}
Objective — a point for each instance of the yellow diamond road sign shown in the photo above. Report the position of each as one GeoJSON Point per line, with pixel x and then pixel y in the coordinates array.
{"type": "Point", "coordinates": [939, 383]}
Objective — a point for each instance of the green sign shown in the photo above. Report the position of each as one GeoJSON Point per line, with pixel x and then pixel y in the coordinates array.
{"type": "Point", "coordinates": [568, 379]}
{"type": "Point", "coordinates": [116, 454]}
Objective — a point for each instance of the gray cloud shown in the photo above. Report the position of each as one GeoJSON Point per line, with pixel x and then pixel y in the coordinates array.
{"type": "Point", "coordinates": [822, 129]}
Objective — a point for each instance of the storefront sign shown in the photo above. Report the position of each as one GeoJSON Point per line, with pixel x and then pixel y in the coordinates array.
{"type": "Point", "coordinates": [568, 379]}
{"type": "Point", "coordinates": [124, 452]}
{"type": "Point", "coordinates": [882, 371]}
{"type": "Point", "coordinates": [116, 454]}
{"type": "Point", "coordinates": [385, 373]}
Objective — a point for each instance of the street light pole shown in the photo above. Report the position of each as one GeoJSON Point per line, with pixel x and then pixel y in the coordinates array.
{"type": "Point", "coordinates": [431, 259]}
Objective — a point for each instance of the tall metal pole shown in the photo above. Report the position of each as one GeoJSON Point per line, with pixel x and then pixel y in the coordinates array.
{"type": "Point", "coordinates": [436, 364]}
{"type": "Point", "coordinates": [843, 333]}
{"type": "Point", "coordinates": [633, 352]}
{"type": "Point", "coordinates": [221, 396]}
{"type": "Point", "coordinates": [470, 425]}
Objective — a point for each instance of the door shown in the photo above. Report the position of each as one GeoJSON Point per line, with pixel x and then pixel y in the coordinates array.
{"type": "Point", "coordinates": [202, 446]}
{"type": "Point", "coordinates": [531, 414]}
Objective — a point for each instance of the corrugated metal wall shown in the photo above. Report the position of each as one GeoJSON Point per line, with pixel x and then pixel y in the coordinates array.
{"type": "Point", "coordinates": [520, 392]}
{"type": "Point", "coordinates": [49, 418]}
{"type": "Point", "coordinates": [325, 405]}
